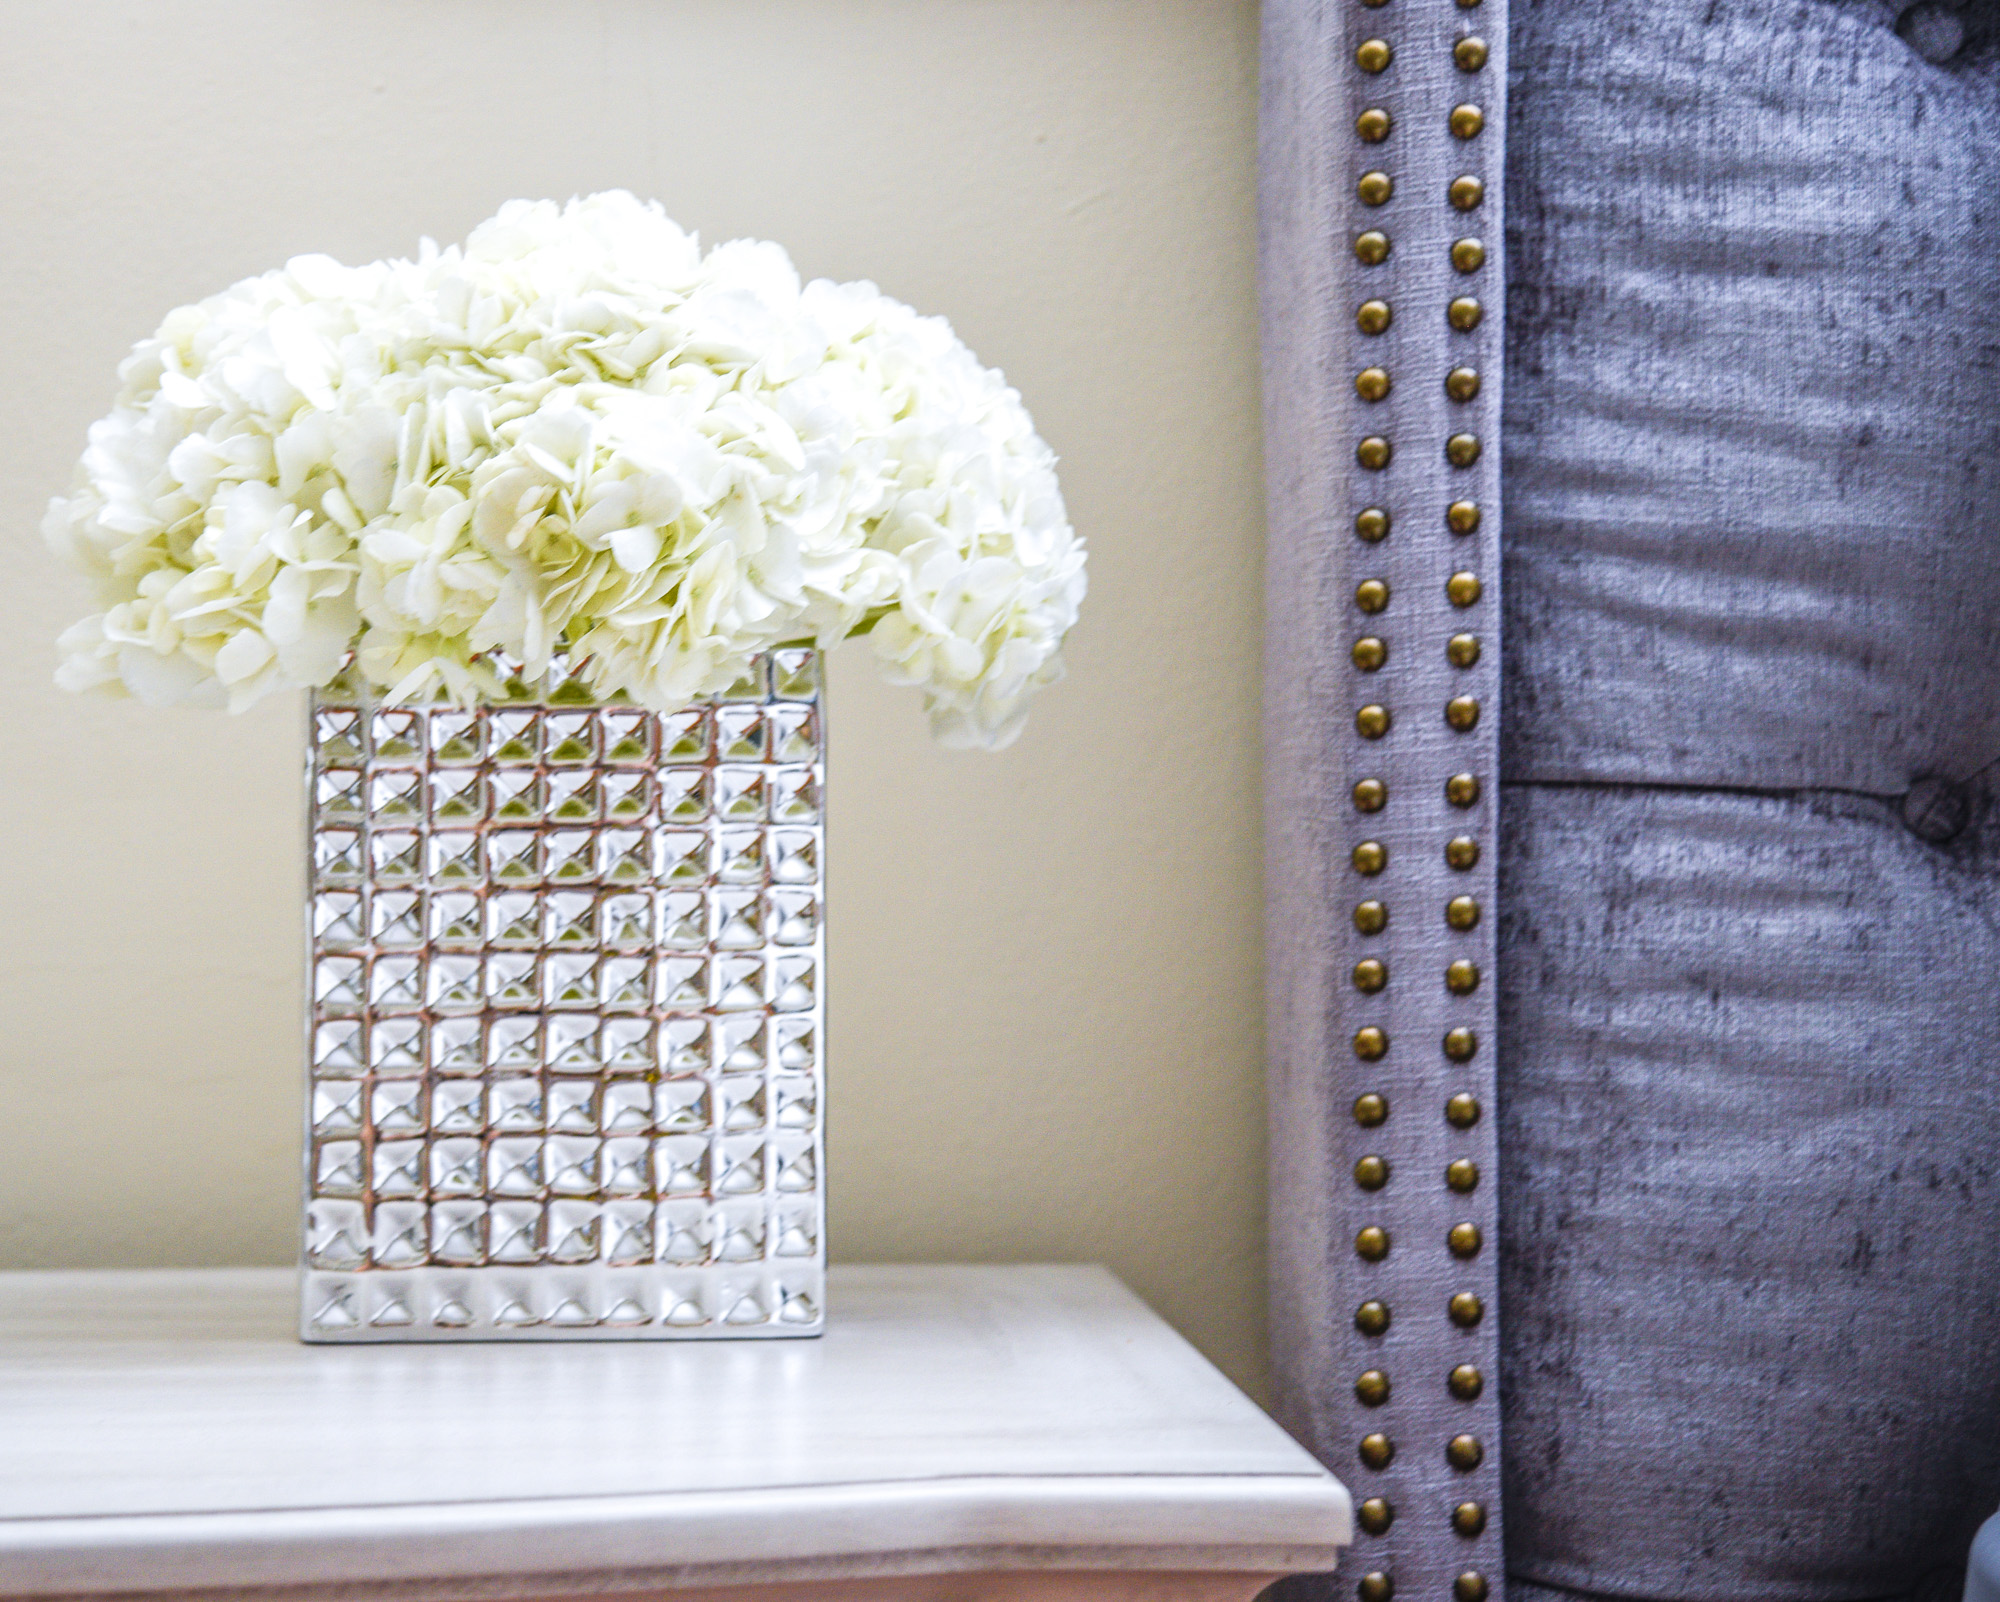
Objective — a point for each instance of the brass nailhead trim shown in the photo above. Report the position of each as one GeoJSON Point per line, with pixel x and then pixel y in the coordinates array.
{"type": "Point", "coordinates": [1471, 1585]}
{"type": "Point", "coordinates": [1376, 1586]}
{"type": "Point", "coordinates": [1374, 125]}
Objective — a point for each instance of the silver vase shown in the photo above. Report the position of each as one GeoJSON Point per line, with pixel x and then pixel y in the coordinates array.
{"type": "Point", "coordinates": [565, 1040]}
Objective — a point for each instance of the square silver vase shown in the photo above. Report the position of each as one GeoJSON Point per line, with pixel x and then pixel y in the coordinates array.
{"type": "Point", "coordinates": [565, 1041]}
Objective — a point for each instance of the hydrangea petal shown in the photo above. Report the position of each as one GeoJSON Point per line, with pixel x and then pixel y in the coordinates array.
{"type": "Point", "coordinates": [576, 436]}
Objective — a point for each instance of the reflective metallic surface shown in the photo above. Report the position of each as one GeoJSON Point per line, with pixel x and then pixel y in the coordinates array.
{"type": "Point", "coordinates": [566, 1045]}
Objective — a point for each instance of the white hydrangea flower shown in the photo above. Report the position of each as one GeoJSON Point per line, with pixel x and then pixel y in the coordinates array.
{"type": "Point", "coordinates": [575, 438]}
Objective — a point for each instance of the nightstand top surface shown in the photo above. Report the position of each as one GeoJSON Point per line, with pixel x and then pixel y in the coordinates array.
{"type": "Point", "coordinates": [167, 1429]}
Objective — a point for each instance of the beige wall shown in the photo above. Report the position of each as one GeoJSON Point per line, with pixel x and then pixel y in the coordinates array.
{"type": "Point", "coordinates": [1045, 990]}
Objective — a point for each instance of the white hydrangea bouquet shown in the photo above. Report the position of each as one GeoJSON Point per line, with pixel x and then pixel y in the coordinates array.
{"type": "Point", "coordinates": [575, 438]}
{"type": "Point", "coordinates": [555, 525]}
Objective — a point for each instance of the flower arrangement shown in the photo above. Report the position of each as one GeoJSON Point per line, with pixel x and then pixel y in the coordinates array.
{"type": "Point", "coordinates": [575, 440]}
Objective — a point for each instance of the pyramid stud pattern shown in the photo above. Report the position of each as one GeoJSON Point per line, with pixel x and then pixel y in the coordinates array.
{"type": "Point", "coordinates": [566, 1046]}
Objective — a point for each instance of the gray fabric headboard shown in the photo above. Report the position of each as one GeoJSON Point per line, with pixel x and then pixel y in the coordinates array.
{"type": "Point", "coordinates": [1749, 882]}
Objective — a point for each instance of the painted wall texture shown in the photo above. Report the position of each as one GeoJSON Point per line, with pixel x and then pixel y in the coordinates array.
{"type": "Point", "coordinates": [1045, 994]}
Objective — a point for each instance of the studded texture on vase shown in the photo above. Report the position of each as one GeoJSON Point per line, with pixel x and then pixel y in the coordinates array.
{"type": "Point", "coordinates": [566, 1047]}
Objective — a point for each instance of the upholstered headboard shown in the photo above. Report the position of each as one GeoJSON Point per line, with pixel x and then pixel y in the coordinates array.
{"type": "Point", "coordinates": [1747, 908]}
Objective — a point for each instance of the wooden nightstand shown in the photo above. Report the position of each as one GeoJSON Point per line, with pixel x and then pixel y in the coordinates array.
{"type": "Point", "coordinates": [959, 1433]}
